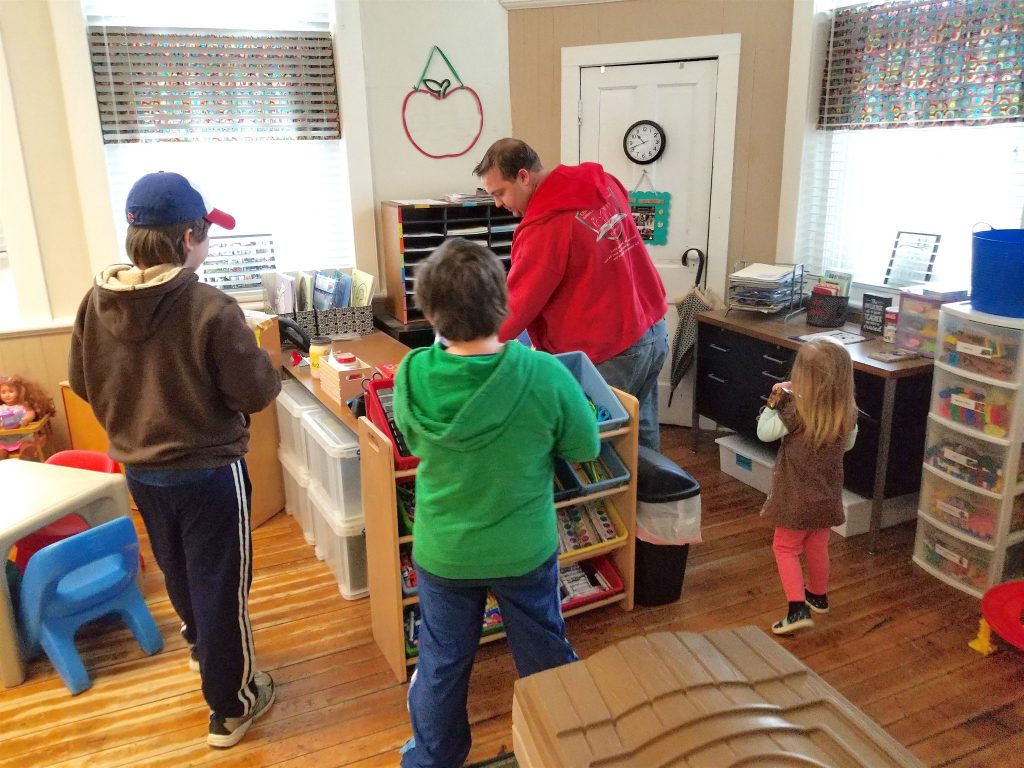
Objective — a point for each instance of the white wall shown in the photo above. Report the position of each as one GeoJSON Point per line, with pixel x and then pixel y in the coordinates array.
{"type": "Point", "coordinates": [397, 38]}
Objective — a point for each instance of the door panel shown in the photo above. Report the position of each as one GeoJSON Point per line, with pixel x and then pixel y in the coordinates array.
{"type": "Point", "coordinates": [679, 96]}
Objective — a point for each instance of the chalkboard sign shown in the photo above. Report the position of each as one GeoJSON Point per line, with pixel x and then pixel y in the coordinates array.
{"type": "Point", "coordinates": [874, 308]}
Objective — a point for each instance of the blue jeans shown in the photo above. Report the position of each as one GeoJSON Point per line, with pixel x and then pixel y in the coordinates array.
{"type": "Point", "coordinates": [451, 615]}
{"type": "Point", "coordinates": [636, 370]}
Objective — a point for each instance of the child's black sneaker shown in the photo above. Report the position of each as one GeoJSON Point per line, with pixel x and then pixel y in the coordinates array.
{"type": "Point", "coordinates": [817, 603]}
{"type": "Point", "coordinates": [799, 618]}
{"type": "Point", "coordinates": [228, 731]}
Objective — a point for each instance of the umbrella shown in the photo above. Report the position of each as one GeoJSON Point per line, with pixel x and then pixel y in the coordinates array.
{"type": "Point", "coordinates": [685, 340]}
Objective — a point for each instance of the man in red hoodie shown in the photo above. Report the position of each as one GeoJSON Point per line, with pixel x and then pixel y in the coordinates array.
{"type": "Point", "coordinates": [581, 278]}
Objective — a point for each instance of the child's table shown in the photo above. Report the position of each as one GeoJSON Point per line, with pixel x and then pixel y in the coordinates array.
{"type": "Point", "coordinates": [36, 495]}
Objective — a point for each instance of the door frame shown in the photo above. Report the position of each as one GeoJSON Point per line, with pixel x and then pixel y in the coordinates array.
{"type": "Point", "coordinates": [724, 48]}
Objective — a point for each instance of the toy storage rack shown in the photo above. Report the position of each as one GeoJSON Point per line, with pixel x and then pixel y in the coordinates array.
{"type": "Point", "coordinates": [792, 302]}
{"type": "Point", "coordinates": [931, 526]}
{"type": "Point", "coordinates": [383, 539]}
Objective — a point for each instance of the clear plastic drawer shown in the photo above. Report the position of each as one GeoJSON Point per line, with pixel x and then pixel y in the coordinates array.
{"type": "Point", "coordinates": [986, 408]}
{"type": "Point", "coordinates": [959, 561]}
{"type": "Point", "coordinates": [968, 459]}
{"type": "Point", "coordinates": [980, 348]}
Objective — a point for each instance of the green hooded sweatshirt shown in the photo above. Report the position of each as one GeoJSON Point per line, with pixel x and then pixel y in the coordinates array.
{"type": "Point", "coordinates": [487, 429]}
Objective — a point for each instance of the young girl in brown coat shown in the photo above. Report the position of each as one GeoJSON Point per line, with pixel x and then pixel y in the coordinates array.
{"type": "Point", "coordinates": [816, 417]}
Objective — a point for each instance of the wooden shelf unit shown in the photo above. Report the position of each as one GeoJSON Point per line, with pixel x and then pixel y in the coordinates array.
{"type": "Point", "coordinates": [380, 507]}
{"type": "Point", "coordinates": [411, 231]}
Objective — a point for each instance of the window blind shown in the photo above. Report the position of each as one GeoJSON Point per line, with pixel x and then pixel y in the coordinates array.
{"type": "Point", "coordinates": [192, 85]}
{"type": "Point", "coordinates": [914, 62]}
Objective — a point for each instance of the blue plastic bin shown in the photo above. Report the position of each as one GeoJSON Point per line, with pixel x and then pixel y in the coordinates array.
{"type": "Point", "coordinates": [616, 470]}
{"type": "Point", "coordinates": [997, 272]}
{"type": "Point", "coordinates": [596, 388]}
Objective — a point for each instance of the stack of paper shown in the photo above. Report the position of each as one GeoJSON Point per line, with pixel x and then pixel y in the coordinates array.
{"type": "Point", "coordinates": [762, 287]}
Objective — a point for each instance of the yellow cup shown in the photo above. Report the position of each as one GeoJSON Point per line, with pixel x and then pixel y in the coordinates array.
{"type": "Point", "coordinates": [318, 347]}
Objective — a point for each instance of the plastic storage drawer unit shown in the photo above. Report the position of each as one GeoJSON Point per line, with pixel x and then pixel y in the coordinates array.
{"type": "Point", "coordinates": [296, 494]}
{"type": "Point", "coordinates": [978, 405]}
{"type": "Point", "coordinates": [968, 459]}
{"type": "Point", "coordinates": [342, 545]}
{"type": "Point", "coordinates": [333, 453]}
{"type": "Point", "coordinates": [953, 560]}
{"type": "Point", "coordinates": [292, 402]}
{"type": "Point", "coordinates": [972, 513]}
{"type": "Point", "coordinates": [980, 348]}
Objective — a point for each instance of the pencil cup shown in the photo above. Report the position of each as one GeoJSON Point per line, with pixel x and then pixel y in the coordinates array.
{"type": "Point", "coordinates": [827, 311]}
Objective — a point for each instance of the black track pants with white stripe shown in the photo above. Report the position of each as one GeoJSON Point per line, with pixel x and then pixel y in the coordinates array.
{"type": "Point", "coordinates": [201, 536]}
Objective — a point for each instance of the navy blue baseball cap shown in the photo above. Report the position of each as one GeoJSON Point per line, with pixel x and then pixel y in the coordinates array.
{"type": "Point", "coordinates": [159, 199]}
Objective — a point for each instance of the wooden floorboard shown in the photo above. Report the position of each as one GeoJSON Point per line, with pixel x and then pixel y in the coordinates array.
{"type": "Point", "coordinates": [895, 645]}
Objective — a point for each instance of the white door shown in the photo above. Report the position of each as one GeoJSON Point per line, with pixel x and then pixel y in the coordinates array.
{"type": "Point", "coordinates": [680, 97]}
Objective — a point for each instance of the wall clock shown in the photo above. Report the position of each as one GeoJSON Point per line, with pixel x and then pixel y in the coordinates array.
{"type": "Point", "coordinates": [644, 142]}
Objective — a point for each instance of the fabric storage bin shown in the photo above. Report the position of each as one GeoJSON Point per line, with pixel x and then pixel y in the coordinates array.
{"type": "Point", "coordinates": [337, 321]}
{"type": "Point", "coordinates": [747, 460]}
{"type": "Point", "coordinates": [596, 389]}
{"type": "Point", "coordinates": [974, 514]}
{"type": "Point", "coordinates": [291, 403]}
{"type": "Point", "coordinates": [333, 455]}
{"type": "Point", "coordinates": [979, 347]}
{"type": "Point", "coordinates": [955, 561]}
{"type": "Point", "coordinates": [974, 404]}
{"type": "Point", "coordinates": [341, 545]}
{"type": "Point", "coordinates": [967, 459]}
{"type": "Point", "coordinates": [296, 494]}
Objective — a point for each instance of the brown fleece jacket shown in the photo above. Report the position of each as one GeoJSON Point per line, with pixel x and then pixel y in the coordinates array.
{"type": "Point", "coordinates": [169, 367]}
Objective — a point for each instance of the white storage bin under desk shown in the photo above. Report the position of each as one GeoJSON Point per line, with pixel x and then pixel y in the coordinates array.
{"type": "Point", "coordinates": [296, 494]}
{"type": "Point", "coordinates": [342, 545]}
{"type": "Point", "coordinates": [332, 452]}
{"type": "Point", "coordinates": [293, 401]}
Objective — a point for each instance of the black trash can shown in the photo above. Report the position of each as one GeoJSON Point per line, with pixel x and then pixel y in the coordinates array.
{"type": "Point", "coordinates": [660, 568]}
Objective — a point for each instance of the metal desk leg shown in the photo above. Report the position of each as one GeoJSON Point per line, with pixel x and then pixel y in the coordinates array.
{"type": "Point", "coordinates": [882, 462]}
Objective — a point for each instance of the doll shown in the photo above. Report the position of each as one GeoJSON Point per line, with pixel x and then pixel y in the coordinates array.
{"type": "Point", "coordinates": [21, 403]}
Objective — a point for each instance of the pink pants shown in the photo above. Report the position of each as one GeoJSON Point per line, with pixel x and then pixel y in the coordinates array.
{"type": "Point", "coordinates": [787, 546]}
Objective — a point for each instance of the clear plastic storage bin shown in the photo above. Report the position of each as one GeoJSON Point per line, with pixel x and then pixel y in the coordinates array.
{"type": "Point", "coordinates": [984, 407]}
{"type": "Point", "coordinates": [342, 546]}
{"type": "Point", "coordinates": [296, 494]}
{"type": "Point", "coordinates": [918, 325]}
{"type": "Point", "coordinates": [968, 459]}
{"type": "Point", "coordinates": [971, 513]}
{"type": "Point", "coordinates": [956, 560]}
{"type": "Point", "coordinates": [333, 455]}
{"type": "Point", "coordinates": [978, 347]}
{"type": "Point", "coordinates": [292, 402]}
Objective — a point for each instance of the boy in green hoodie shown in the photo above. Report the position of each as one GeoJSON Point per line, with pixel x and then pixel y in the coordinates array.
{"type": "Point", "coordinates": [486, 420]}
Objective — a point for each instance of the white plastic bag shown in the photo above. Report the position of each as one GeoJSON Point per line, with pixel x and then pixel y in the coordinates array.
{"type": "Point", "coordinates": [672, 522]}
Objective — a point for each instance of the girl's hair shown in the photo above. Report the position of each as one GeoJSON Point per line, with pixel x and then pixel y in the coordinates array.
{"type": "Point", "coordinates": [31, 395]}
{"type": "Point", "coordinates": [823, 383]}
{"type": "Point", "coordinates": [149, 246]}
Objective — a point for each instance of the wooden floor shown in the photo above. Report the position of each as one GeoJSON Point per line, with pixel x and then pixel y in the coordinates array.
{"type": "Point", "coordinates": [895, 644]}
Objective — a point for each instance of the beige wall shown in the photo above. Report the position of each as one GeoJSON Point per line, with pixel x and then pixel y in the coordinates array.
{"type": "Point", "coordinates": [536, 37]}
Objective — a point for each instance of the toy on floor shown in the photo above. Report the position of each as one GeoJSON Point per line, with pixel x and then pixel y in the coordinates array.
{"type": "Point", "coordinates": [1002, 607]}
{"type": "Point", "coordinates": [22, 404]}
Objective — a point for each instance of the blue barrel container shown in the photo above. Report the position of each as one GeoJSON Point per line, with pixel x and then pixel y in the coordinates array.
{"type": "Point", "coordinates": [997, 272]}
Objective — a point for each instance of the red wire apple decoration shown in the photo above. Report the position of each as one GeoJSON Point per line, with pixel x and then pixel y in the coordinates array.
{"type": "Point", "coordinates": [443, 117]}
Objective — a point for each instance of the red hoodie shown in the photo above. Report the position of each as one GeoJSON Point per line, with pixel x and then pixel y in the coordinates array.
{"type": "Point", "coordinates": [581, 278]}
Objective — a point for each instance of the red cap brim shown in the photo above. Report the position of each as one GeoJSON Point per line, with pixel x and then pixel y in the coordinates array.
{"type": "Point", "coordinates": [221, 219]}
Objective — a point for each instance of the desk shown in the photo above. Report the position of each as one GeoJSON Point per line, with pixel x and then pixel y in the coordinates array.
{"type": "Point", "coordinates": [378, 348]}
{"type": "Point", "coordinates": [741, 354]}
{"type": "Point", "coordinates": [37, 495]}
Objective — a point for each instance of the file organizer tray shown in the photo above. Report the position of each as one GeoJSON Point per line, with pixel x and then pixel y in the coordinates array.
{"type": "Point", "coordinates": [375, 413]}
{"type": "Point", "coordinates": [595, 388]}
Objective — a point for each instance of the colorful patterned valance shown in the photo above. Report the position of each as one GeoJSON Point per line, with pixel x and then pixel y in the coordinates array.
{"type": "Point", "coordinates": [924, 62]}
{"type": "Point", "coordinates": [193, 85]}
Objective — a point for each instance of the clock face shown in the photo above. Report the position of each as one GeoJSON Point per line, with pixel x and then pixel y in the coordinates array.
{"type": "Point", "coordinates": [644, 142]}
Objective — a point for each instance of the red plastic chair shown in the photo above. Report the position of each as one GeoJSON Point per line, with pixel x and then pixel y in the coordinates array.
{"type": "Point", "coordinates": [71, 524]}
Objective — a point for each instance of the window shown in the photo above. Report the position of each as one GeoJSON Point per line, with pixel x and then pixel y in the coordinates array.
{"type": "Point", "coordinates": [918, 131]}
{"type": "Point", "coordinates": [250, 116]}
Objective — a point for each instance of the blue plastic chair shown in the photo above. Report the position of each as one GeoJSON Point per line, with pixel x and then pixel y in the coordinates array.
{"type": "Point", "coordinates": [78, 579]}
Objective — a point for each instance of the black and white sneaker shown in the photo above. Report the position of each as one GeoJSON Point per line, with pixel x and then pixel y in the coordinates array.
{"type": "Point", "coordinates": [817, 603]}
{"type": "Point", "coordinates": [796, 620]}
{"type": "Point", "coordinates": [228, 731]}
